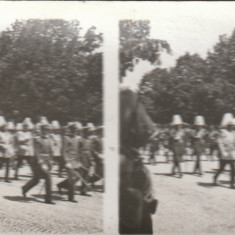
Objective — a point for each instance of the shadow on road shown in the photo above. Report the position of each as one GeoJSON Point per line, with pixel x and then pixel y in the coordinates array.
{"type": "Point", "coordinates": [26, 176]}
{"type": "Point", "coordinates": [21, 199]}
{"type": "Point", "coordinates": [166, 174]}
{"type": "Point", "coordinates": [97, 188]}
{"type": "Point", "coordinates": [210, 185]}
{"type": "Point", "coordinates": [224, 182]}
{"type": "Point", "coordinates": [211, 172]}
{"type": "Point", "coordinates": [188, 173]}
{"type": "Point", "coordinates": [156, 163]}
{"type": "Point", "coordinates": [54, 197]}
{"type": "Point", "coordinates": [206, 185]}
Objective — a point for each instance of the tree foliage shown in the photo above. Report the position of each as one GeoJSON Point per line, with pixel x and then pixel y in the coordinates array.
{"type": "Point", "coordinates": [195, 86]}
{"type": "Point", "coordinates": [135, 42]}
{"type": "Point", "coordinates": [51, 68]}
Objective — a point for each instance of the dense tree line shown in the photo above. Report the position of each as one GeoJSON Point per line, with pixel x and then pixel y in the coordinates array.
{"type": "Point", "coordinates": [194, 86]}
{"type": "Point", "coordinates": [51, 68]}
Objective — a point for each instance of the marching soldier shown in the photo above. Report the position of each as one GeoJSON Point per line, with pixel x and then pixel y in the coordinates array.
{"type": "Point", "coordinates": [188, 139]}
{"type": "Point", "coordinates": [87, 157]}
{"type": "Point", "coordinates": [177, 136]}
{"type": "Point", "coordinates": [12, 139]}
{"type": "Point", "coordinates": [154, 146]}
{"type": "Point", "coordinates": [37, 129]}
{"type": "Point", "coordinates": [96, 149]}
{"type": "Point", "coordinates": [71, 154]}
{"type": "Point", "coordinates": [12, 142]}
{"type": "Point", "coordinates": [41, 163]}
{"type": "Point", "coordinates": [5, 153]}
{"type": "Point", "coordinates": [166, 143]}
{"type": "Point", "coordinates": [198, 136]}
{"type": "Point", "coordinates": [226, 143]}
{"type": "Point", "coordinates": [212, 139]}
{"type": "Point", "coordinates": [56, 142]}
{"type": "Point", "coordinates": [25, 145]}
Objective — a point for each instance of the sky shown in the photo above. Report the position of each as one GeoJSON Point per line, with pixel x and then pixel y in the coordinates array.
{"type": "Point", "coordinates": [193, 28]}
{"type": "Point", "coordinates": [85, 13]}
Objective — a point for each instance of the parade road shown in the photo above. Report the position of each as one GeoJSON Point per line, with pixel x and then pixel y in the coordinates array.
{"type": "Point", "coordinates": [192, 204]}
{"type": "Point", "coordinates": [33, 215]}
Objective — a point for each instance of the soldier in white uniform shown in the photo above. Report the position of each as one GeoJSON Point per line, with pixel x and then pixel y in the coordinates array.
{"type": "Point", "coordinates": [56, 144]}
{"type": "Point", "coordinates": [178, 147]}
{"type": "Point", "coordinates": [87, 156]}
{"type": "Point", "coordinates": [12, 139]}
{"type": "Point", "coordinates": [25, 146]}
{"type": "Point", "coordinates": [226, 143]}
{"type": "Point", "coordinates": [198, 137]}
{"type": "Point", "coordinates": [5, 154]}
{"type": "Point", "coordinates": [11, 131]}
{"type": "Point", "coordinates": [71, 154]}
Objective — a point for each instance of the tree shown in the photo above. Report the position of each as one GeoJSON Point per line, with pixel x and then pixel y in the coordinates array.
{"type": "Point", "coordinates": [49, 68]}
{"type": "Point", "coordinates": [195, 86]}
{"type": "Point", "coordinates": [135, 43]}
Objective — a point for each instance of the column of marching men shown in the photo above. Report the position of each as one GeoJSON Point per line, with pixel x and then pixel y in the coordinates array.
{"type": "Point", "coordinates": [180, 140]}
{"type": "Point", "coordinates": [76, 149]}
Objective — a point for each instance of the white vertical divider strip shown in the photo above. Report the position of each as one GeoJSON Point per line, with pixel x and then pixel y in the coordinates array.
{"type": "Point", "coordinates": [111, 123]}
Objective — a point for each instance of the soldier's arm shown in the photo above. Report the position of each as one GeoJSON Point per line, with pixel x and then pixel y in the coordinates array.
{"type": "Point", "coordinates": [221, 146]}
{"type": "Point", "coordinates": [65, 146]}
{"type": "Point", "coordinates": [36, 148]}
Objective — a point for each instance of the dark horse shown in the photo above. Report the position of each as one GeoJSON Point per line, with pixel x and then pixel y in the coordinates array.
{"type": "Point", "coordinates": [136, 201]}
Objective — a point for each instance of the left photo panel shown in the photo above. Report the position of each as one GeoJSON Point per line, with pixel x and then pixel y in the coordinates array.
{"type": "Point", "coordinates": [51, 120]}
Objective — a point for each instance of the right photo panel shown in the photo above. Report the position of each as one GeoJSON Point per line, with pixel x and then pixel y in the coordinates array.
{"type": "Point", "coordinates": [177, 121]}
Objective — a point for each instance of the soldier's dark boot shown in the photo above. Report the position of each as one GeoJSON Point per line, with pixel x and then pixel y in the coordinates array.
{"type": "Point", "coordinates": [49, 202]}
{"type": "Point", "coordinates": [7, 171]}
{"type": "Point", "coordinates": [59, 189]}
{"type": "Point", "coordinates": [215, 180]}
{"type": "Point", "coordinates": [23, 192]}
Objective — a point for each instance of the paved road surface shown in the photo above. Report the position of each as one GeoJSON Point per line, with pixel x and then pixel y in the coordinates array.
{"type": "Point", "coordinates": [192, 205]}
{"type": "Point", "coordinates": [33, 215]}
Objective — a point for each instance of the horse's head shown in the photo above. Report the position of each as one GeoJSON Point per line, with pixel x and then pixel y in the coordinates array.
{"type": "Point", "coordinates": [136, 125]}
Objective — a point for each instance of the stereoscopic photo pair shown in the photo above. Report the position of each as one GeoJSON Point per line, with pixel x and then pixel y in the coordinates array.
{"type": "Point", "coordinates": [117, 121]}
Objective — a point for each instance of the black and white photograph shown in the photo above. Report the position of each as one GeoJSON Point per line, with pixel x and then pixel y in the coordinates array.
{"type": "Point", "coordinates": [177, 119]}
{"type": "Point", "coordinates": [117, 117]}
{"type": "Point", "coordinates": [51, 120]}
